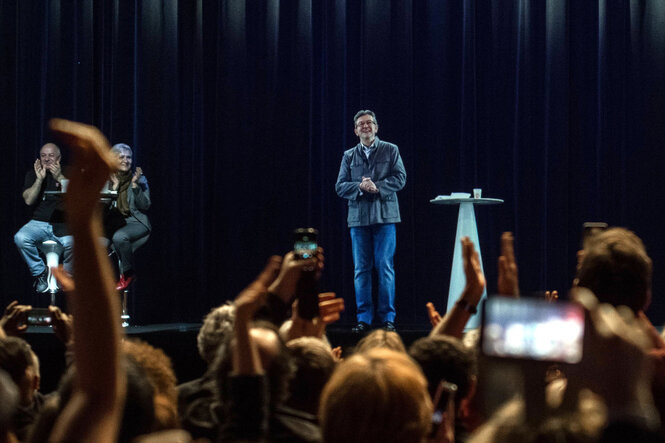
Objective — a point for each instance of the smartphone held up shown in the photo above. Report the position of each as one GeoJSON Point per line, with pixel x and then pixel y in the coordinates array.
{"type": "Point", "coordinates": [305, 244]}
{"type": "Point", "coordinates": [39, 317]}
{"type": "Point", "coordinates": [531, 329]}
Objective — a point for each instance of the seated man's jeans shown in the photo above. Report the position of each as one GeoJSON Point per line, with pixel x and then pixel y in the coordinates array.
{"type": "Point", "coordinates": [31, 235]}
{"type": "Point", "coordinates": [374, 246]}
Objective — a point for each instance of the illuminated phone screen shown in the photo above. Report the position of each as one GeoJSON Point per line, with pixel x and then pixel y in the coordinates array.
{"type": "Point", "coordinates": [305, 249]}
{"type": "Point", "coordinates": [532, 329]}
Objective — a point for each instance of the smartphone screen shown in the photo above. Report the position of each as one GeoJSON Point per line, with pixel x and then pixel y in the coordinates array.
{"type": "Point", "coordinates": [305, 242]}
{"type": "Point", "coordinates": [39, 317]}
{"type": "Point", "coordinates": [445, 394]}
{"type": "Point", "coordinates": [532, 329]}
{"type": "Point", "coordinates": [444, 406]}
{"type": "Point", "coordinates": [305, 249]}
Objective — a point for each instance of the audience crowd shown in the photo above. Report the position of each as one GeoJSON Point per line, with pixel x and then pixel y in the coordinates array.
{"type": "Point", "coordinates": [273, 375]}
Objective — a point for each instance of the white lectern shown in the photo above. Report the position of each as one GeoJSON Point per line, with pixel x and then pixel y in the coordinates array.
{"type": "Point", "coordinates": [466, 226]}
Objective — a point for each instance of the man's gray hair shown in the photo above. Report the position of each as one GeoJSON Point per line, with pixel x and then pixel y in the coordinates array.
{"type": "Point", "coordinates": [216, 326]}
{"type": "Point", "coordinates": [119, 147]}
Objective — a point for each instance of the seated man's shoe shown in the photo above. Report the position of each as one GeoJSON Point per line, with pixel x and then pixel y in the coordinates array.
{"type": "Point", "coordinates": [124, 282]}
{"type": "Point", "coordinates": [360, 327]}
{"type": "Point", "coordinates": [41, 282]}
{"type": "Point", "coordinates": [389, 326]}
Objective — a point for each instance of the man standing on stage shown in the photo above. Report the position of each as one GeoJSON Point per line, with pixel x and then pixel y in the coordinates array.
{"type": "Point", "coordinates": [370, 175]}
{"type": "Point", "coordinates": [47, 218]}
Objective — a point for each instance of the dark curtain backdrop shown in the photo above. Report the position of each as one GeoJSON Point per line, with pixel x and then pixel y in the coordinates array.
{"type": "Point", "coordinates": [239, 112]}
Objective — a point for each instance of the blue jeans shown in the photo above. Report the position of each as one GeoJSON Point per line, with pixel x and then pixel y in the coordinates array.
{"type": "Point", "coordinates": [373, 247]}
{"type": "Point", "coordinates": [31, 235]}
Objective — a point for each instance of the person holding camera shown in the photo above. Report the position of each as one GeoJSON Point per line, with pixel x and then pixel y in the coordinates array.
{"type": "Point", "coordinates": [47, 221]}
{"type": "Point", "coordinates": [369, 177]}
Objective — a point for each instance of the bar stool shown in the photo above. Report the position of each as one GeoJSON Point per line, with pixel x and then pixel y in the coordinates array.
{"type": "Point", "coordinates": [124, 315]}
{"type": "Point", "coordinates": [52, 250]}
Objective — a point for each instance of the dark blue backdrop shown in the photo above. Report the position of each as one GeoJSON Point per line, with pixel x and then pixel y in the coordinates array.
{"type": "Point", "coordinates": [239, 113]}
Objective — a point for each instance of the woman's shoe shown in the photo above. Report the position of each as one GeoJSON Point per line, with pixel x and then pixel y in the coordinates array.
{"type": "Point", "coordinates": [124, 282]}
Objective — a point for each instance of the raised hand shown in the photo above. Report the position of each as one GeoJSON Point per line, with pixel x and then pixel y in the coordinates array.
{"type": "Point", "coordinates": [508, 282]}
{"type": "Point", "coordinates": [330, 307]}
{"type": "Point", "coordinates": [284, 286]}
{"type": "Point", "coordinates": [14, 320]}
{"type": "Point", "coordinates": [115, 181]}
{"type": "Point", "coordinates": [135, 178]}
{"type": "Point", "coordinates": [329, 312]}
{"type": "Point", "coordinates": [56, 170]}
{"type": "Point", "coordinates": [63, 325]}
{"type": "Point", "coordinates": [40, 171]}
{"type": "Point", "coordinates": [475, 279]}
{"type": "Point", "coordinates": [433, 314]}
{"type": "Point", "coordinates": [551, 296]}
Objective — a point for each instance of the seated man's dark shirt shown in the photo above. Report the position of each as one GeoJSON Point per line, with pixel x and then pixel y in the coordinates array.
{"type": "Point", "coordinates": [48, 209]}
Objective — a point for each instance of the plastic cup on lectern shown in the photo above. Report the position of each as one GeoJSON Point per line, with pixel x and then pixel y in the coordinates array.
{"type": "Point", "coordinates": [477, 193]}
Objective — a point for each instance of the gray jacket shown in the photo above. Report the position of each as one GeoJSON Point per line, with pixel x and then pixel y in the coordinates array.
{"type": "Point", "coordinates": [386, 170]}
{"type": "Point", "coordinates": [139, 201]}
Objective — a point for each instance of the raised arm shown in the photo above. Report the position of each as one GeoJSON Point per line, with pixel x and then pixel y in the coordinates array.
{"type": "Point", "coordinates": [246, 360]}
{"type": "Point", "coordinates": [508, 281]}
{"type": "Point", "coordinates": [94, 410]}
{"type": "Point", "coordinates": [455, 320]}
{"type": "Point", "coordinates": [246, 417]}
